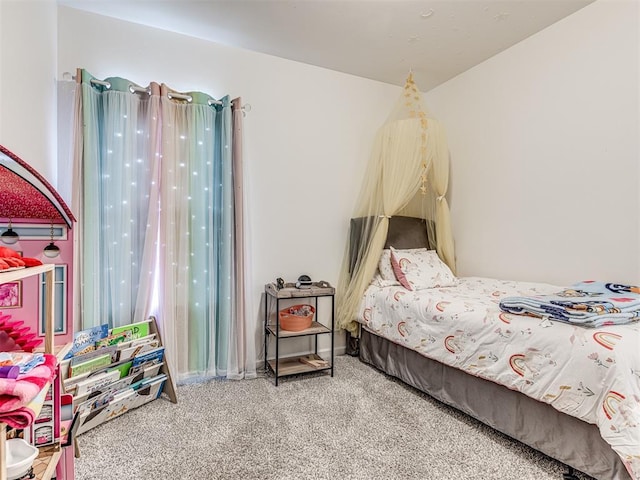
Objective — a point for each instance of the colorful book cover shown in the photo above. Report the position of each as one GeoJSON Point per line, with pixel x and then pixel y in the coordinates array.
{"type": "Point", "coordinates": [90, 365]}
{"type": "Point", "coordinates": [123, 368]}
{"type": "Point", "coordinates": [146, 382]}
{"type": "Point", "coordinates": [156, 355]}
{"type": "Point", "coordinates": [96, 382]}
{"type": "Point", "coordinates": [120, 384]}
{"type": "Point", "coordinates": [130, 352]}
{"type": "Point", "coordinates": [146, 359]}
{"type": "Point", "coordinates": [93, 354]}
{"type": "Point", "coordinates": [140, 329]}
{"type": "Point", "coordinates": [70, 383]}
{"type": "Point", "coordinates": [85, 340]}
{"type": "Point", "coordinates": [114, 339]}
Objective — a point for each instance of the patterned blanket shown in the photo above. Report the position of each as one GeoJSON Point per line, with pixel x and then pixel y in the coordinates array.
{"type": "Point", "coordinates": [588, 304]}
{"type": "Point", "coordinates": [19, 392]}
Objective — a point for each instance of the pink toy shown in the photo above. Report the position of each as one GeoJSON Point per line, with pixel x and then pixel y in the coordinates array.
{"type": "Point", "coordinates": [22, 336]}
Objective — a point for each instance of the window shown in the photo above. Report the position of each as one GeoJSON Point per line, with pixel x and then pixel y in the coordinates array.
{"type": "Point", "coordinates": [60, 301]}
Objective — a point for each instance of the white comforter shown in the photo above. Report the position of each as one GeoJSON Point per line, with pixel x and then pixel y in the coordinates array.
{"type": "Point", "coordinates": [591, 374]}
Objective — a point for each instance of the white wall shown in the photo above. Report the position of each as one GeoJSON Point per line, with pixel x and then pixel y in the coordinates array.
{"type": "Point", "coordinates": [544, 142]}
{"type": "Point", "coordinates": [307, 137]}
{"type": "Point", "coordinates": [27, 82]}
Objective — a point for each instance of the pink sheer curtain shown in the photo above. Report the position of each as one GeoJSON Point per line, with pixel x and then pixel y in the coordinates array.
{"type": "Point", "coordinates": [242, 357]}
{"type": "Point", "coordinates": [162, 141]}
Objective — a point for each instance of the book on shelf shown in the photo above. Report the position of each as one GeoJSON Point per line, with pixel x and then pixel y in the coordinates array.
{"type": "Point", "coordinates": [119, 384]}
{"type": "Point", "coordinates": [131, 349]}
{"type": "Point", "coordinates": [113, 371]}
{"type": "Point", "coordinates": [96, 382]}
{"type": "Point", "coordinates": [138, 330]}
{"type": "Point", "coordinates": [85, 340]}
{"type": "Point", "coordinates": [93, 354]}
{"type": "Point", "coordinates": [90, 365]}
{"type": "Point", "coordinates": [114, 339]}
{"type": "Point", "coordinates": [144, 360]}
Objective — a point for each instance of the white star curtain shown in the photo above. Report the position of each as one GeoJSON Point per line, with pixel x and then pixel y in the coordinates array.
{"type": "Point", "coordinates": [161, 233]}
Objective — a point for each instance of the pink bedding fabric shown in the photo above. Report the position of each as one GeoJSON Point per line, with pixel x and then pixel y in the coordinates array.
{"type": "Point", "coordinates": [24, 416]}
{"type": "Point", "coordinates": [19, 392]}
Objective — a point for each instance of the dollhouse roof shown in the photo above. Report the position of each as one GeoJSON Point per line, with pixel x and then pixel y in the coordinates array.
{"type": "Point", "coordinates": [24, 193]}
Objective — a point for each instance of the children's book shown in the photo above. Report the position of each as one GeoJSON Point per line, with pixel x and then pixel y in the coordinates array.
{"type": "Point", "coordinates": [137, 341]}
{"type": "Point", "coordinates": [85, 340]}
{"type": "Point", "coordinates": [140, 329]}
{"type": "Point", "coordinates": [70, 383]}
{"type": "Point", "coordinates": [144, 360]}
{"type": "Point", "coordinates": [93, 354]}
{"type": "Point", "coordinates": [114, 339]}
{"type": "Point", "coordinates": [120, 384]}
{"type": "Point", "coordinates": [133, 350]}
{"type": "Point", "coordinates": [114, 393]}
{"type": "Point", "coordinates": [122, 368]}
{"type": "Point", "coordinates": [156, 355]}
{"type": "Point", "coordinates": [141, 340]}
{"type": "Point", "coordinates": [90, 365]}
{"type": "Point", "coordinates": [96, 382]}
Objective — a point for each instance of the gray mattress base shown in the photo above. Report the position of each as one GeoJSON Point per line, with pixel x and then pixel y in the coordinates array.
{"type": "Point", "coordinates": [560, 436]}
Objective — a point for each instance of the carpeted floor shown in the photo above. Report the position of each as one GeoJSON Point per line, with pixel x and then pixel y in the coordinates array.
{"type": "Point", "coordinates": [360, 424]}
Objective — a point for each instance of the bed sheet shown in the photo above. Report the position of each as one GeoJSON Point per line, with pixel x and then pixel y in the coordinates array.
{"type": "Point", "coordinates": [591, 374]}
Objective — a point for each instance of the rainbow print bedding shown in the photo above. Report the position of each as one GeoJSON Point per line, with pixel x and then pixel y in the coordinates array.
{"type": "Point", "coordinates": [589, 304]}
{"type": "Point", "coordinates": [590, 373]}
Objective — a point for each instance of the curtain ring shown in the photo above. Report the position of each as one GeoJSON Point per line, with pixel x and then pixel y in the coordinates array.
{"type": "Point", "coordinates": [440, 198]}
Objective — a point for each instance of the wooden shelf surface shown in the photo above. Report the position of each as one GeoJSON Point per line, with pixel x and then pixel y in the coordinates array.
{"type": "Point", "coordinates": [290, 291]}
{"type": "Point", "coordinates": [314, 329]}
{"type": "Point", "coordinates": [44, 466]}
{"type": "Point", "coordinates": [293, 365]}
{"type": "Point", "coordinates": [20, 273]}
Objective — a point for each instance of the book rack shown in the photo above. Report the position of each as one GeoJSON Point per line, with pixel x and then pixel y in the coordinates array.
{"type": "Point", "coordinates": [117, 387]}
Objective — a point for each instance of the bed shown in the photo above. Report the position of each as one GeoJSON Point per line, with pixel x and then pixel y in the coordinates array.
{"type": "Point", "coordinates": [570, 392]}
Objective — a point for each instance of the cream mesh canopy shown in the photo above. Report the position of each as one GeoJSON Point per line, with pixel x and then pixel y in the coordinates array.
{"type": "Point", "coordinates": [407, 175]}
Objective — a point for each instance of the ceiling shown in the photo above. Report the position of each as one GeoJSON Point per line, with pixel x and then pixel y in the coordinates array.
{"type": "Point", "coordinates": [377, 39]}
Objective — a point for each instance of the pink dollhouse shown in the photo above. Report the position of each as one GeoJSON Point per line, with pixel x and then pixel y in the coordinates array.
{"type": "Point", "coordinates": [36, 222]}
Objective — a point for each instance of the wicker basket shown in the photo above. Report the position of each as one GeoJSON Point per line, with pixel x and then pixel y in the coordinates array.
{"type": "Point", "coordinates": [291, 320]}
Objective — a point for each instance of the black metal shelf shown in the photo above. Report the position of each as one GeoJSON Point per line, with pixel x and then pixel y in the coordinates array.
{"type": "Point", "coordinates": [282, 367]}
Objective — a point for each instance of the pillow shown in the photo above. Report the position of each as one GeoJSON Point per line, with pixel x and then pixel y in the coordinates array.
{"type": "Point", "coordinates": [385, 268]}
{"type": "Point", "coordinates": [422, 269]}
{"type": "Point", "coordinates": [395, 265]}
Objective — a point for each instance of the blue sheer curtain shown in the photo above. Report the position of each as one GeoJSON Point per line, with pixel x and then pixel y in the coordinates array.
{"type": "Point", "coordinates": [196, 231]}
{"type": "Point", "coordinates": [159, 222]}
{"type": "Point", "coordinates": [119, 170]}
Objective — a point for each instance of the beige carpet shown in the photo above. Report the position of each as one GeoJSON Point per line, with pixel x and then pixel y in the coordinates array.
{"type": "Point", "coordinates": [360, 424]}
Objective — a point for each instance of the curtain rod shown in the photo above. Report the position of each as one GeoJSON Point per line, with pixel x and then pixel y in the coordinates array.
{"type": "Point", "coordinates": [189, 98]}
{"type": "Point", "coordinates": [179, 96]}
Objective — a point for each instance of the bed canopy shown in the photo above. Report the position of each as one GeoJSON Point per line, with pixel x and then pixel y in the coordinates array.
{"type": "Point", "coordinates": [408, 175]}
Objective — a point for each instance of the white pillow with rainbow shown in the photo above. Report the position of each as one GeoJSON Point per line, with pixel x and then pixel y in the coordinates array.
{"type": "Point", "coordinates": [419, 268]}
